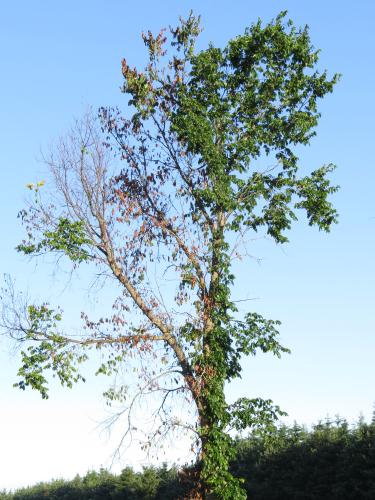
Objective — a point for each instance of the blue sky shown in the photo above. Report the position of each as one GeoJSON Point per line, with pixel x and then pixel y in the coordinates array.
{"type": "Point", "coordinates": [59, 57]}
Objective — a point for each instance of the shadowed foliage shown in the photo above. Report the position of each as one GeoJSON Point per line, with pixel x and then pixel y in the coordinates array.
{"type": "Point", "coordinates": [332, 461]}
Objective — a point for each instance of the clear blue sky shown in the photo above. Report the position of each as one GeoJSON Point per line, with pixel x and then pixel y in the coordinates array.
{"type": "Point", "coordinates": [59, 57]}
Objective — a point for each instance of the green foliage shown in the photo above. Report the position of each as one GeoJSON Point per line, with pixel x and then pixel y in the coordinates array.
{"type": "Point", "coordinates": [250, 335]}
{"type": "Point", "coordinates": [48, 351]}
{"type": "Point", "coordinates": [203, 130]}
{"type": "Point", "coordinates": [256, 96]}
{"type": "Point", "coordinates": [68, 237]}
{"type": "Point", "coordinates": [332, 461]}
{"type": "Point", "coordinates": [157, 484]}
{"type": "Point", "coordinates": [254, 413]}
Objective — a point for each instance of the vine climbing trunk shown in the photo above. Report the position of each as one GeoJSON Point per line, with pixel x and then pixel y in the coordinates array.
{"type": "Point", "coordinates": [216, 450]}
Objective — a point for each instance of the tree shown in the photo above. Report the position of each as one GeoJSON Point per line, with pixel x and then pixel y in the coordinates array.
{"type": "Point", "coordinates": [180, 180]}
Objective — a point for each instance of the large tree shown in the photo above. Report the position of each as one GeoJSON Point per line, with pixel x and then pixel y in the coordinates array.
{"type": "Point", "coordinates": [167, 193]}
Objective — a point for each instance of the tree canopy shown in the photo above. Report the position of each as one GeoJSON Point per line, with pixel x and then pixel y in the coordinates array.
{"type": "Point", "coordinates": [164, 195]}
